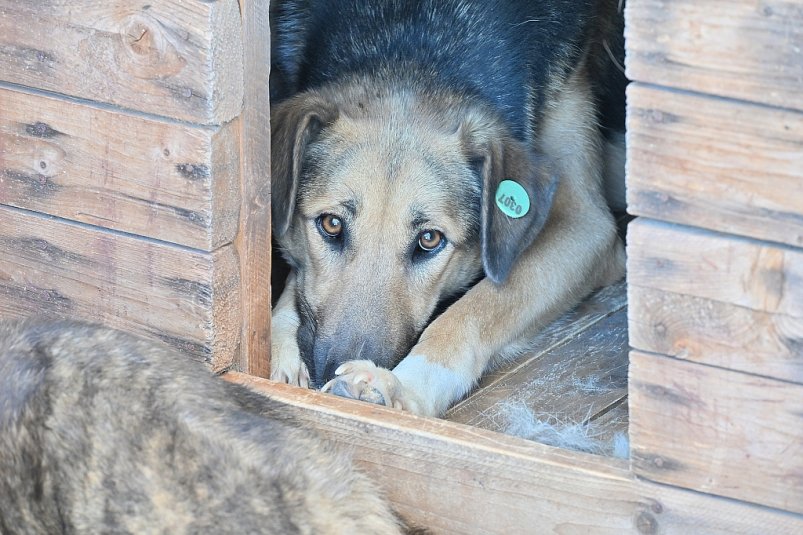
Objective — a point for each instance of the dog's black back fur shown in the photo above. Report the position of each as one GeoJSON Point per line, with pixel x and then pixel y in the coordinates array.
{"type": "Point", "coordinates": [476, 46]}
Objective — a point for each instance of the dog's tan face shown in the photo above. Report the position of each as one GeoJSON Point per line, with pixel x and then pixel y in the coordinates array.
{"type": "Point", "coordinates": [386, 224]}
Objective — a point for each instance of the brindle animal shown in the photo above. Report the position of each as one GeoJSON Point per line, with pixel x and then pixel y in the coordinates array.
{"type": "Point", "coordinates": [103, 432]}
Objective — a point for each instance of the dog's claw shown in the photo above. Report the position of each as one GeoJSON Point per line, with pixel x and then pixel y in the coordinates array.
{"type": "Point", "coordinates": [303, 380]}
{"type": "Point", "coordinates": [344, 368]}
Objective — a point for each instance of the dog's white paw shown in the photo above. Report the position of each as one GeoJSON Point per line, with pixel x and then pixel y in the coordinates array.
{"type": "Point", "coordinates": [286, 365]}
{"type": "Point", "coordinates": [364, 380]}
{"type": "Point", "coordinates": [290, 372]}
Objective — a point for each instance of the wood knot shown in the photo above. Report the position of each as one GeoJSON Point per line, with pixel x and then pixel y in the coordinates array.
{"type": "Point", "coordinates": [646, 523]}
{"type": "Point", "coordinates": [41, 130]}
{"type": "Point", "coordinates": [660, 329]}
{"type": "Point", "coordinates": [47, 158]}
{"type": "Point", "coordinates": [147, 49]}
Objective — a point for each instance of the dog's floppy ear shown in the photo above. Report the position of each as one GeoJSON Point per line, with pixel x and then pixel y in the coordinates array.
{"type": "Point", "coordinates": [518, 186]}
{"type": "Point", "coordinates": [295, 123]}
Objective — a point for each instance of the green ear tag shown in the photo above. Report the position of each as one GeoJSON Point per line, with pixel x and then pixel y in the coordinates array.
{"type": "Point", "coordinates": [512, 199]}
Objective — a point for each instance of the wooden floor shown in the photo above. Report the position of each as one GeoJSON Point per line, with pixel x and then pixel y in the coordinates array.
{"type": "Point", "coordinates": [571, 390]}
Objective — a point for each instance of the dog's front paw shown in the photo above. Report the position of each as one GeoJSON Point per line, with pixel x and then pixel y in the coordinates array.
{"type": "Point", "coordinates": [364, 380]}
{"type": "Point", "coordinates": [286, 365]}
{"type": "Point", "coordinates": [291, 371]}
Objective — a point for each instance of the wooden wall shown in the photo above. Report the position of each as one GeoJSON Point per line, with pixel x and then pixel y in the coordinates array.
{"type": "Point", "coordinates": [128, 192]}
{"type": "Point", "coordinates": [715, 260]}
{"type": "Point", "coordinates": [134, 191]}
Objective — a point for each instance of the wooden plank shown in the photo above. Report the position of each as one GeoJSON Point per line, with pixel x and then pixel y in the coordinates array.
{"type": "Point", "coordinates": [716, 333]}
{"type": "Point", "coordinates": [253, 241]}
{"type": "Point", "coordinates": [453, 478]}
{"type": "Point", "coordinates": [717, 431]}
{"type": "Point", "coordinates": [599, 305]}
{"type": "Point", "coordinates": [173, 182]}
{"type": "Point", "coordinates": [716, 164]}
{"type": "Point", "coordinates": [567, 385]}
{"type": "Point", "coordinates": [740, 271]}
{"type": "Point", "coordinates": [173, 58]}
{"type": "Point", "coordinates": [735, 48]}
{"type": "Point", "coordinates": [608, 425]}
{"type": "Point", "coordinates": [188, 298]}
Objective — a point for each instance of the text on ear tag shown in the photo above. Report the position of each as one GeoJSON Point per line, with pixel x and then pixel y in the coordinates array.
{"type": "Point", "coordinates": [512, 199]}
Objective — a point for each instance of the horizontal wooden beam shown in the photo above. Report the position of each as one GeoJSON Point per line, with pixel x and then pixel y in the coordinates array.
{"type": "Point", "coordinates": [187, 298]}
{"type": "Point", "coordinates": [735, 48]}
{"type": "Point", "coordinates": [756, 275]}
{"type": "Point", "coordinates": [173, 58]}
{"type": "Point", "coordinates": [718, 164]}
{"type": "Point", "coordinates": [717, 431]}
{"type": "Point", "coordinates": [454, 478]}
{"type": "Point", "coordinates": [716, 333]}
{"type": "Point", "coordinates": [173, 182]}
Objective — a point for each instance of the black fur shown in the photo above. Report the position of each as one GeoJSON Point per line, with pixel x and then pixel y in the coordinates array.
{"type": "Point", "coordinates": [477, 46]}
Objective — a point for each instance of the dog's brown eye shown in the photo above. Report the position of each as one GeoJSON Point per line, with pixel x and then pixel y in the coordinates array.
{"type": "Point", "coordinates": [331, 225]}
{"type": "Point", "coordinates": [429, 240]}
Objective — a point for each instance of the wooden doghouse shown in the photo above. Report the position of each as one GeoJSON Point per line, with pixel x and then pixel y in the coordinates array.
{"type": "Point", "coordinates": [134, 191]}
{"type": "Point", "coordinates": [133, 179]}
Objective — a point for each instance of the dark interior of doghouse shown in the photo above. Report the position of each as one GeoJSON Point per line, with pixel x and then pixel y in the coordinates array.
{"type": "Point", "coordinates": [571, 391]}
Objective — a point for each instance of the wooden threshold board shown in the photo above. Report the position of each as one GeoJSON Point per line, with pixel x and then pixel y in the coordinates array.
{"type": "Point", "coordinates": [452, 478]}
{"type": "Point", "coordinates": [574, 379]}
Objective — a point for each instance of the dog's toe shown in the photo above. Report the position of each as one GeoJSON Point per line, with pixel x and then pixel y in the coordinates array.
{"type": "Point", "coordinates": [291, 373]}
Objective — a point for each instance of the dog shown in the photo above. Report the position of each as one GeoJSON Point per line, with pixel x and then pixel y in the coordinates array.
{"type": "Point", "coordinates": [101, 431]}
{"type": "Point", "coordinates": [437, 186]}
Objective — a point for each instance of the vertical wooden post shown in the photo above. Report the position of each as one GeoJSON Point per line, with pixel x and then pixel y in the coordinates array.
{"type": "Point", "coordinates": [253, 241]}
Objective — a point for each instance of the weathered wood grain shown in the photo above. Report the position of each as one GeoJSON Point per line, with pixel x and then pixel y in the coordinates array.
{"type": "Point", "coordinates": [253, 241]}
{"type": "Point", "coordinates": [716, 333]}
{"type": "Point", "coordinates": [717, 164]}
{"type": "Point", "coordinates": [173, 58]}
{"type": "Point", "coordinates": [453, 478]}
{"type": "Point", "coordinates": [172, 182]}
{"type": "Point", "coordinates": [735, 48]}
{"type": "Point", "coordinates": [568, 384]}
{"type": "Point", "coordinates": [740, 271]}
{"type": "Point", "coordinates": [613, 422]}
{"type": "Point", "coordinates": [717, 431]}
{"type": "Point", "coordinates": [187, 298]}
{"type": "Point", "coordinates": [596, 307]}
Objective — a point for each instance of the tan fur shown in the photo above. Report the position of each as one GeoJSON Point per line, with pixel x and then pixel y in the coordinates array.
{"type": "Point", "coordinates": [103, 432]}
{"type": "Point", "coordinates": [576, 251]}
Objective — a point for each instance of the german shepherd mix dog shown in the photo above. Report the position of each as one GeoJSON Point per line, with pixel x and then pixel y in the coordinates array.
{"type": "Point", "coordinates": [432, 154]}
{"type": "Point", "coordinates": [104, 432]}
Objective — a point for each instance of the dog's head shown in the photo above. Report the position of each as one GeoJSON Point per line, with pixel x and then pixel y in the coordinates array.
{"type": "Point", "coordinates": [387, 204]}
